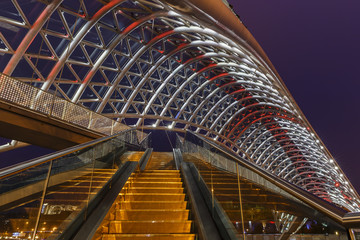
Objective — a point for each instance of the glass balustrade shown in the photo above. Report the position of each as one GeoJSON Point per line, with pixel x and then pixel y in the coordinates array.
{"type": "Point", "coordinates": [41, 200]}
{"type": "Point", "coordinates": [257, 208]}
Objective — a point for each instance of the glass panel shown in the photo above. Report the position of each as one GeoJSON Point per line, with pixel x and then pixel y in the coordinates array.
{"type": "Point", "coordinates": [252, 203]}
{"type": "Point", "coordinates": [20, 199]}
{"type": "Point", "coordinates": [67, 193]}
{"type": "Point", "coordinates": [75, 180]}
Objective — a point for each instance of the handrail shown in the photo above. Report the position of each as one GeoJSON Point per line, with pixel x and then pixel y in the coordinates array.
{"type": "Point", "coordinates": [211, 219]}
{"type": "Point", "coordinates": [43, 159]}
{"type": "Point", "coordinates": [145, 158]}
{"type": "Point", "coordinates": [321, 205]}
{"type": "Point", "coordinates": [177, 157]}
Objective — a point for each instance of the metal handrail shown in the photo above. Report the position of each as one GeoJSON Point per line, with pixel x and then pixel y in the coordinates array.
{"type": "Point", "coordinates": [8, 171]}
{"type": "Point", "coordinates": [340, 215]}
{"type": "Point", "coordinates": [211, 219]}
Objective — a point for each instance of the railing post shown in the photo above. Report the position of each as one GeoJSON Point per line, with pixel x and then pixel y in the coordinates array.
{"type": "Point", "coordinates": [64, 111]}
{"type": "Point", "coordinates": [112, 127]}
{"type": "Point", "coordinates": [240, 200]}
{"type": "Point", "coordinates": [90, 120]}
{"type": "Point", "coordinates": [32, 104]}
{"type": "Point", "coordinates": [42, 200]}
{"type": "Point", "coordinates": [52, 105]}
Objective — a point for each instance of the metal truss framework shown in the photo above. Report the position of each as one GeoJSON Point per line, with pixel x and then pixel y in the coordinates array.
{"type": "Point", "coordinates": [154, 66]}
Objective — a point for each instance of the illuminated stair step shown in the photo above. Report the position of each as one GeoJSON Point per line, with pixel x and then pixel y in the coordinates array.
{"type": "Point", "coordinates": [157, 179]}
{"type": "Point", "coordinates": [157, 184]}
{"type": "Point", "coordinates": [225, 185]}
{"type": "Point", "coordinates": [223, 180]}
{"type": "Point", "coordinates": [98, 170]}
{"type": "Point", "coordinates": [153, 205]}
{"type": "Point", "coordinates": [88, 180]}
{"type": "Point", "coordinates": [152, 214]}
{"type": "Point", "coordinates": [94, 178]}
{"type": "Point", "coordinates": [236, 191]}
{"type": "Point", "coordinates": [156, 190]}
{"type": "Point", "coordinates": [76, 188]}
{"type": "Point", "coordinates": [150, 227]}
{"type": "Point", "coordinates": [217, 174]}
{"type": "Point", "coordinates": [235, 215]}
{"type": "Point", "coordinates": [67, 193]}
{"type": "Point", "coordinates": [257, 199]}
{"type": "Point", "coordinates": [154, 197]}
{"type": "Point", "coordinates": [149, 236]}
{"type": "Point", "coordinates": [160, 171]}
{"type": "Point", "coordinates": [157, 175]}
{"type": "Point", "coordinates": [75, 202]}
{"type": "Point", "coordinates": [229, 206]}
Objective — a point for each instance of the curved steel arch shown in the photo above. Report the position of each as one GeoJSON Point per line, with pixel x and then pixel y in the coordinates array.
{"type": "Point", "coordinates": [294, 133]}
{"type": "Point", "coordinates": [146, 60]}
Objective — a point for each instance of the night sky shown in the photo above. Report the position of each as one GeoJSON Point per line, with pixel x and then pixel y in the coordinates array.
{"type": "Point", "coordinates": [315, 47]}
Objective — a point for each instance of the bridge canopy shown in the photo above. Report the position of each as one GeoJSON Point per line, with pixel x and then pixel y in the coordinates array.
{"type": "Point", "coordinates": [179, 65]}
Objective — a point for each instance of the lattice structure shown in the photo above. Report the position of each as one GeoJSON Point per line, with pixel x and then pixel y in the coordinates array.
{"type": "Point", "coordinates": [156, 65]}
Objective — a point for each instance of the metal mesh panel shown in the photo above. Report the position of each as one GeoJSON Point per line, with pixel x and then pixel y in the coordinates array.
{"type": "Point", "coordinates": [24, 95]}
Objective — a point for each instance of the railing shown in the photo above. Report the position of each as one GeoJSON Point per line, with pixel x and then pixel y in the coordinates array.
{"type": "Point", "coordinates": [35, 99]}
{"type": "Point", "coordinates": [41, 197]}
{"type": "Point", "coordinates": [256, 202]}
{"type": "Point", "coordinates": [220, 158]}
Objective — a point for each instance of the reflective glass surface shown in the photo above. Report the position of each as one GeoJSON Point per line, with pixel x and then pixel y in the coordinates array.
{"type": "Point", "coordinates": [42, 201]}
{"type": "Point", "coordinates": [257, 209]}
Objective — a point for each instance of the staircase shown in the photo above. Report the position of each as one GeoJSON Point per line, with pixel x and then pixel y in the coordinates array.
{"type": "Point", "coordinates": [151, 206]}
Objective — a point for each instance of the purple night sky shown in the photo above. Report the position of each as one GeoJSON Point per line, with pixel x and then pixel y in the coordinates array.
{"type": "Point", "coordinates": [315, 47]}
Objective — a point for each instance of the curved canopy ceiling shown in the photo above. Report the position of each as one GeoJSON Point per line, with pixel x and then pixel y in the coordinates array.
{"type": "Point", "coordinates": [153, 64]}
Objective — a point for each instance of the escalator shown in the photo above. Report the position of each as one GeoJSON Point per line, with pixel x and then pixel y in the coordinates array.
{"type": "Point", "coordinates": [70, 194]}
{"type": "Point", "coordinates": [114, 188]}
{"type": "Point", "coordinates": [152, 205]}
